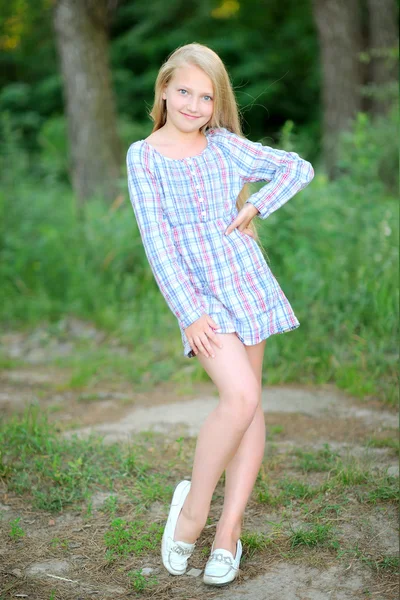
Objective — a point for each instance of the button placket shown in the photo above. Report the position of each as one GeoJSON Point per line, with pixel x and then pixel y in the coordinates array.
{"type": "Point", "coordinates": [200, 198]}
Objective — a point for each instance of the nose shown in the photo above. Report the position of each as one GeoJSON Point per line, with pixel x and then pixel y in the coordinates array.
{"type": "Point", "coordinates": [192, 107]}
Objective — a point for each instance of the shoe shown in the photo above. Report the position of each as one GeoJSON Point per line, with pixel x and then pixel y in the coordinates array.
{"type": "Point", "coordinates": [175, 554]}
{"type": "Point", "coordinates": [222, 567]}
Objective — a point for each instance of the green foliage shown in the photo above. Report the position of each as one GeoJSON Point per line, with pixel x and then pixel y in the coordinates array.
{"type": "Point", "coordinates": [385, 490]}
{"type": "Point", "coordinates": [336, 245]}
{"type": "Point", "coordinates": [124, 538]}
{"type": "Point", "coordinates": [333, 249]}
{"type": "Point", "coordinates": [52, 141]}
{"type": "Point", "coordinates": [369, 155]}
{"type": "Point", "coordinates": [16, 530]}
{"type": "Point", "coordinates": [254, 541]}
{"type": "Point", "coordinates": [141, 582]}
{"type": "Point", "coordinates": [271, 60]}
{"type": "Point", "coordinates": [287, 491]}
{"type": "Point", "coordinates": [60, 472]}
{"type": "Point", "coordinates": [316, 535]}
{"type": "Point", "coordinates": [322, 460]}
{"type": "Point", "coordinates": [388, 442]}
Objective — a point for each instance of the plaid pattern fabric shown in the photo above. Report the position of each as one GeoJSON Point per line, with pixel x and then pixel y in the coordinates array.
{"type": "Point", "coordinates": [183, 206]}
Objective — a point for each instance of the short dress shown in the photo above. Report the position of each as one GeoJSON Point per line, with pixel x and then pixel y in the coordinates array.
{"type": "Point", "coordinates": [183, 207]}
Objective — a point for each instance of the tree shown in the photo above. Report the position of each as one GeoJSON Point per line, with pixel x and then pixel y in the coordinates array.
{"type": "Point", "coordinates": [339, 31]}
{"type": "Point", "coordinates": [383, 40]}
{"type": "Point", "coordinates": [82, 40]}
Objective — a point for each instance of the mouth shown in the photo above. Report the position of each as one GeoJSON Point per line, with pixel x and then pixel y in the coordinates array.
{"type": "Point", "coordinates": [189, 116]}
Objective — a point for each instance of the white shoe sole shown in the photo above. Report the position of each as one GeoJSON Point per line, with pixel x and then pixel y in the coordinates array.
{"type": "Point", "coordinates": [210, 580]}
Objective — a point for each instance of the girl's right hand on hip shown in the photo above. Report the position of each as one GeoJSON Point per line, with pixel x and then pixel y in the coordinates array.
{"type": "Point", "coordinates": [200, 333]}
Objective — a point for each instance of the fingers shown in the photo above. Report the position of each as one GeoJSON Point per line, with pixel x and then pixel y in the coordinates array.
{"type": "Point", "coordinates": [204, 346]}
{"type": "Point", "coordinates": [201, 343]}
{"type": "Point", "coordinates": [245, 215]}
{"type": "Point", "coordinates": [232, 226]}
{"type": "Point", "coordinates": [235, 224]}
{"type": "Point", "coordinates": [248, 231]}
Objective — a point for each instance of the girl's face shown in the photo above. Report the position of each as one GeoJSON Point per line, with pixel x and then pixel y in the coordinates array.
{"type": "Point", "coordinates": [189, 98]}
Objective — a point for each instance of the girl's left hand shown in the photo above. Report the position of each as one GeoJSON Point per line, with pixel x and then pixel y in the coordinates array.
{"type": "Point", "coordinates": [244, 216]}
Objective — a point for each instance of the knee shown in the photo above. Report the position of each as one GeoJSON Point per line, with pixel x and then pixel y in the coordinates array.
{"type": "Point", "coordinates": [242, 401]}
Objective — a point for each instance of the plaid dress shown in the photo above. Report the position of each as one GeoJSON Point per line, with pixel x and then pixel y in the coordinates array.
{"type": "Point", "coordinates": [183, 206]}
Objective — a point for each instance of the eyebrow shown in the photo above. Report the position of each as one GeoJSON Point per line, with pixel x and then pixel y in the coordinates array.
{"type": "Point", "coordinates": [190, 89]}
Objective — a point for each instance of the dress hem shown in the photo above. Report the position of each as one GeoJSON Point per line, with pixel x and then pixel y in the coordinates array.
{"type": "Point", "coordinates": [191, 354]}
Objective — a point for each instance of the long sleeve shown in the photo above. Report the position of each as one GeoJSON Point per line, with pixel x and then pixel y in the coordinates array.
{"type": "Point", "coordinates": [286, 172]}
{"type": "Point", "coordinates": [156, 235]}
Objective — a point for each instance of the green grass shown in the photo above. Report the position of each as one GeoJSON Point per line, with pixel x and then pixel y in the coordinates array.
{"type": "Point", "coordinates": [58, 472]}
{"type": "Point", "coordinates": [315, 535]}
{"type": "Point", "coordinates": [387, 442]}
{"type": "Point", "coordinates": [254, 542]}
{"type": "Point", "coordinates": [273, 431]}
{"type": "Point", "coordinates": [140, 582]}
{"type": "Point", "coordinates": [379, 564]}
{"type": "Point", "coordinates": [56, 543]}
{"type": "Point", "coordinates": [339, 476]}
{"type": "Point", "coordinates": [321, 460]}
{"type": "Point", "coordinates": [386, 489]}
{"type": "Point", "coordinates": [388, 563]}
{"type": "Point", "coordinates": [16, 530]}
{"type": "Point", "coordinates": [350, 475]}
{"type": "Point", "coordinates": [284, 492]}
{"type": "Point", "coordinates": [137, 537]}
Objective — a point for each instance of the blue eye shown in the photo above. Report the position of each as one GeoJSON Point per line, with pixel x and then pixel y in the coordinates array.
{"type": "Point", "coordinates": [183, 90]}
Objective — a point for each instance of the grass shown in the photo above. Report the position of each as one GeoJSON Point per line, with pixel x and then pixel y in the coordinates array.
{"type": "Point", "coordinates": [379, 564]}
{"type": "Point", "coordinates": [137, 537]}
{"type": "Point", "coordinates": [140, 582]}
{"type": "Point", "coordinates": [16, 530]}
{"type": "Point", "coordinates": [313, 536]}
{"type": "Point", "coordinates": [254, 542]}
{"type": "Point", "coordinates": [322, 460]}
{"type": "Point", "coordinates": [386, 489]}
{"type": "Point", "coordinates": [59, 472]}
{"type": "Point", "coordinates": [341, 475]}
{"type": "Point", "coordinates": [58, 475]}
{"type": "Point", "coordinates": [386, 442]}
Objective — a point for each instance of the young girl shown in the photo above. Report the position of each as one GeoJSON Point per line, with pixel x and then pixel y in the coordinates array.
{"type": "Point", "coordinates": [185, 184]}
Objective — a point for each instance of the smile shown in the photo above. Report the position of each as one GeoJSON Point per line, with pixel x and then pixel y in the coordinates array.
{"type": "Point", "coordinates": [189, 116]}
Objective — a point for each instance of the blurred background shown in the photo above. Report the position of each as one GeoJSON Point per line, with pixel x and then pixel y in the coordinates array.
{"type": "Point", "coordinates": [77, 81]}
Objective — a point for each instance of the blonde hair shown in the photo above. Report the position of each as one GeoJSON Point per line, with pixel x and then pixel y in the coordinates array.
{"type": "Point", "coordinates": [225, 113]}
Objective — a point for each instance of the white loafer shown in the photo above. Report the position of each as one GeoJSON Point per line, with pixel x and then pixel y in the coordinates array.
{"type": "Point", "coordinates": [222, 567]}
{"type": "Point", "coordinates": [175, 554]}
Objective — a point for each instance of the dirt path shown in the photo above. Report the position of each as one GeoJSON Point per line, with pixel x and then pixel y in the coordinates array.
{"type": "Point", "coordinates": [300, 420]}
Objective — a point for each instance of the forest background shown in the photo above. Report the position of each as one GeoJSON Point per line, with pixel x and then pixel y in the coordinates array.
{"type": "Point", "coordinates": [319, 78]}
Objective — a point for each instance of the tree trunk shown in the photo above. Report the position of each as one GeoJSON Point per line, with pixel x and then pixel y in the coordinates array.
{"type": "Point", "coordinates": [339, 31]}
{"type": "Point", "coordinates": [82, 40]}
{"type": "Point", "coordinates": [383, 37]}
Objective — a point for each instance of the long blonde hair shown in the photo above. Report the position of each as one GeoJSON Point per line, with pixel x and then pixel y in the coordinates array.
{"type": "Point", "coordinates": [226, 111]}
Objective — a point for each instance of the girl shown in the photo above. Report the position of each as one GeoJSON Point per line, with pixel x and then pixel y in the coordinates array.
{"type": "Point", "coordinates": [195, 220]}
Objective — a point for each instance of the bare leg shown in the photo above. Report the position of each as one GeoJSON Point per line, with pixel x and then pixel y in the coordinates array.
{"type": "Point", "coordinates": [222, 431]}
{"type": "Point", "coordinates": [242, 471]}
